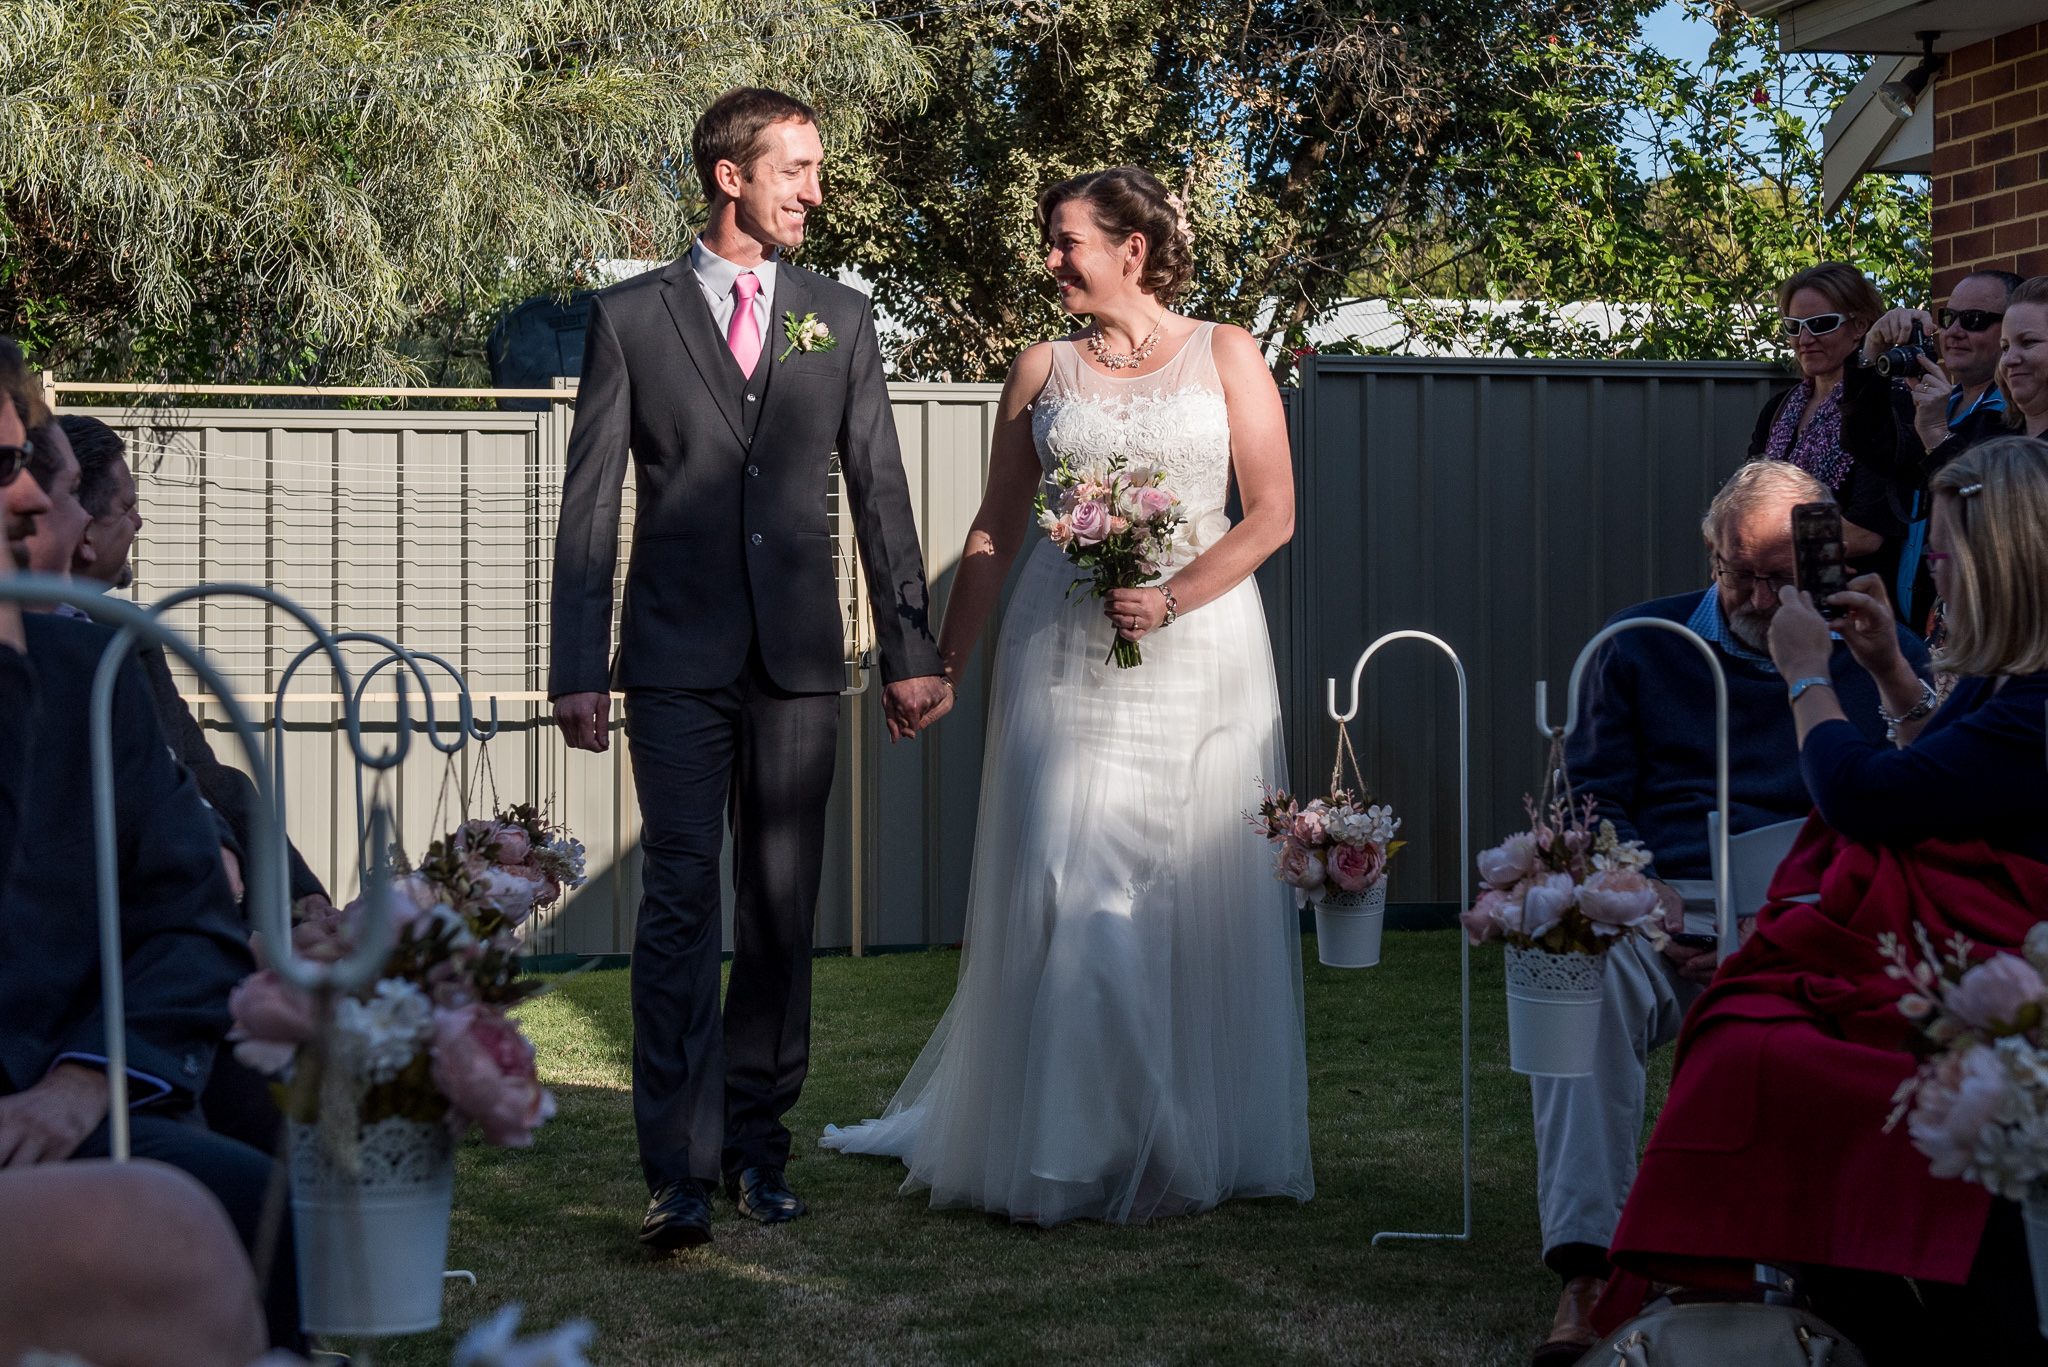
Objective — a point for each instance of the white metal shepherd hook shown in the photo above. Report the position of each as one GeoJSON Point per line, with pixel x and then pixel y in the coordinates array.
{"type": "Point", "coordinates": [1724, 901]}
{"type": "Point", "coordinates": [1464, 864]}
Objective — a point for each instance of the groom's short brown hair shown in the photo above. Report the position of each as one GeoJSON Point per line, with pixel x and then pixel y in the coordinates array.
{"type": "Point", "coordinates": [730, 130]}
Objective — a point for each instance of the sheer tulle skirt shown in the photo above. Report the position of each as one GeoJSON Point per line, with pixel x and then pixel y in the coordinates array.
{"type": "Point", "coordinates": [1126, 1039]}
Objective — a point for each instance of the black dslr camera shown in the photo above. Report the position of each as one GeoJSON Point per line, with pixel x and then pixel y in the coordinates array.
{"type": "Point", "coordinates": [1904, 360]}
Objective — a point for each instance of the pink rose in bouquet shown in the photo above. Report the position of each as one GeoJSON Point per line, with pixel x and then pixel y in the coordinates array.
{"type": "Point", "coordinates": [1061, 530]}
{"type": "Point", "coordinates": [1617, 900]}
{"type": "Point", "coordinates": [1545, 899]}
{"type": "Point", "coordinates": [1486, 918]}
{"type": "Point", "coordinates": [1994, 994]}
{"type": "Point", "coordinates": [1311, 824]}
{"type": "Point", "coordinates": [485, 1068]}
{"type": "Point", "coordinates": [501, 842]}
{"type": "Point", "coordinates": [1356, 868]}
{"type": "Point", "coordinates": [509, 892]}
{"type": "Point", "coordinates": [322, 932]}
{"type": "Point", "coordinates": [272, 1019]}
{"type": "Point", "coordinates": [1955, 1105]}
{"type": "Point", "coordinates": [1151, 501]}
{"type": "Point", "coordinates": [1509, 862]}
{"type": "Point", "coordinates": [1300, 867]}
{"type": "Point", "coordinates": [1091, 522]}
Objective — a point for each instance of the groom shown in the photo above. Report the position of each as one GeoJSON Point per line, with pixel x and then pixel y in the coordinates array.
{"type": "Point", "coordinates": [730, 648]}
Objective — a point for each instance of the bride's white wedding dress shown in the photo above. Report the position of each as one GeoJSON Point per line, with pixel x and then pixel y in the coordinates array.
{"type": "Point", "coordinates": [1126, 1039]}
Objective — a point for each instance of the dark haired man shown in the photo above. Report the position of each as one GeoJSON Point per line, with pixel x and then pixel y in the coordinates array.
{"type": "Point", "coordinates": [1955, 405]}
{"type": "Point", "coordinates": [106, 493]}
{"type": "Point", "coordinates": [731, 376]}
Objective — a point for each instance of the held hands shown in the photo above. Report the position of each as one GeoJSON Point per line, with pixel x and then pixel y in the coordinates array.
{"type": "Point", "coordinates": [586, 720]}
{"type": "Point", "coordinates": [910, 705]}
{"type": "Point", "coordinates": [1134, 612]}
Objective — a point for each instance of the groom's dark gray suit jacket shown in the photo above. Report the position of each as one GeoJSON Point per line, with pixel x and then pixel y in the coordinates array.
{"type": "Point", "coordinates": [731, 539]}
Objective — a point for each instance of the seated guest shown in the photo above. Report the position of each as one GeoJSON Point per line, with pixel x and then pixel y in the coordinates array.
{"type": "Point", "coordinates": [1644, 750]}
{"type": "Point", "coordinates": [1772, 1148]}
{"type": "Point", "coordinates": [58, 531]}
{"type": "Point", "coordinates": [237, 1101]}
{"type": "Point", "coordinates": [106, 491]}
{"type": "Point", "coordinates": [183, 940]}
{"type": "Point", "coordinates": [22, 501]}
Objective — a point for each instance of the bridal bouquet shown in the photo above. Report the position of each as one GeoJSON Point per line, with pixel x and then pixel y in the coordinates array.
{"type": "Point", "coordinates": [1117, 521]}
{"type": "Point", "coordinates": [430, 1040]}
{"type": "Point", "coordinates": [1561, 885]}
{"type": "Point", "coordinates": [1338, 844]}
{"type": "Point", "coordinates": [1979, 1102]}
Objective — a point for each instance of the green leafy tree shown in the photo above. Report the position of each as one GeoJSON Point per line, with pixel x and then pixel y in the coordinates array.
{"type": "Point", "coordinates": [1684, 228]}
{"type": "Point", "coordinates": [335, 189]}
{"type": "Point", "coordinates": [1309, 137]}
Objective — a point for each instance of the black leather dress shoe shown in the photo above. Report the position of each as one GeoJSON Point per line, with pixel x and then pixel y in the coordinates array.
{"type": "Point", "coordinates": [763, 1195]}
{"type": "Point", "coordinates": [678, 1216]}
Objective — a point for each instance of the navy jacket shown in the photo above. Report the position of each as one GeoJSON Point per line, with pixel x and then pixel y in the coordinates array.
{"type": "Point", "coordinates": [1644, 745]}
{"type": "Point", "coordinates": [181, 934]}
{"type": "Point", "coordinates": [1976, 771]}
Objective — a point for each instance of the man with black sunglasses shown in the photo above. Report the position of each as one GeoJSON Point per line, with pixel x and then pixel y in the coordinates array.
{"type": "Point", "coordinates": [1955, 406]}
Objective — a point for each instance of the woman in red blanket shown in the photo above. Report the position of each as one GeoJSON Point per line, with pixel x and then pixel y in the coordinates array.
{"type": "Point", "coordinates": [1772, 1145]}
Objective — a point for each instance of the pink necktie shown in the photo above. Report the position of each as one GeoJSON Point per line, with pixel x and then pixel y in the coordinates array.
{"type": "Point", "coordinates": [743, 334]}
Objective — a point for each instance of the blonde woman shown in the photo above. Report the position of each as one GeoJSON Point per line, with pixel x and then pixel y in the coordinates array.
{"type": "Point", "coordinates": [2023, 357]}
{"type": "Point", "coordinates": [1790, 1061]}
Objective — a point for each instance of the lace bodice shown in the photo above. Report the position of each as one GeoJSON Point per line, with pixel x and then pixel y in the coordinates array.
{"type": "Point", "coordinates": [1174, 420]}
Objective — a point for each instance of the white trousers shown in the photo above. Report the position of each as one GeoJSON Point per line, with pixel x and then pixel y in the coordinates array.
{"type": "Point", "coordinates": [1589, 1129]}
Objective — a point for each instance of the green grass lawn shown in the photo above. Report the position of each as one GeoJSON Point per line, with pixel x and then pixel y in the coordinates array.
{"type": "Point", "coordinates": [871, 1276]}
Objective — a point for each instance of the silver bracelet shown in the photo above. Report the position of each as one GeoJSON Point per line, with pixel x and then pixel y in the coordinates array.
{"type": "Point", "coordinates": [1929, 700]}
{"type": "Point", "coordinates": [1172, 608]}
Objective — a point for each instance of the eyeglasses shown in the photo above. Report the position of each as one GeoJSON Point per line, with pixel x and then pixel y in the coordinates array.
{"type": "Point", "coordinates": [15, 459]}
{"type": "Point", "coordinates": [1820, 325]}
{"type": "Point", "coordinates": [1973, 320]}
{"type": "Point", "coordinates": [1745, 584]}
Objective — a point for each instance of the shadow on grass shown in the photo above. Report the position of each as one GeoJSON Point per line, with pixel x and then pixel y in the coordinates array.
{"type": "Point", "coordinates": [874, 1276]}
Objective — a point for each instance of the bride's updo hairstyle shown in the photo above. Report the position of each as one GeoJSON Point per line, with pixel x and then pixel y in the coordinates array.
{"type": "Point", "coordinates": [1125, 200]}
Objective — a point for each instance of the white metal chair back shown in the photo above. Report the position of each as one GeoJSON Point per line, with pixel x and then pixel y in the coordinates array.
{"type": "Point", "coordinates": [1753, 859]}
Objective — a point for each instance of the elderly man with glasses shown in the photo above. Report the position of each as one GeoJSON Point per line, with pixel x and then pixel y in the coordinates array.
{"type": "Point", "coordinates": [1644, 751]}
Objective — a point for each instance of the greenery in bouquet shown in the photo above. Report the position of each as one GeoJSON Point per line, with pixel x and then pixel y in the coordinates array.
{"type": "Point", "coordinates": [1978, 1105]}
{"type": "Point", "coordinates": [1562, 885]}
{"type": "Point", "coordinates": [1117, 521]}
{"type": "Point", "coordinates": [1334, 844]}
{"type": "Point", "coordinates": [430, 1038]}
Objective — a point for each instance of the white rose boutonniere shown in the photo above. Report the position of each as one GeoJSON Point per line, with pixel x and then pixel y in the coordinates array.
{"type": "Point", "coordinates": [807, 333]}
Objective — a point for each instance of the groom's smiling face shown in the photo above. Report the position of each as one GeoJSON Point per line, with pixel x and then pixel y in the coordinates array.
{"type": "Point", "coordinates": [776, 196]}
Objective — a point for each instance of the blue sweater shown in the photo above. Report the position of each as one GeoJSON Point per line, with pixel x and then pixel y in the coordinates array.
{"type": "Point", "coordinates": [1644, 745]}
{"type": "Point", "coordinates": [1978, 769]}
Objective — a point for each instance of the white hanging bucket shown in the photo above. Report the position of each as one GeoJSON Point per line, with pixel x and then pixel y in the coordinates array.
{"type": "Point", "coordinates": [1348, 926]}
{"type": "Point", "coordinates": [2035, 1211]}
{"type": "Point", "coordinates": [1553, 1011]}
{"type": "Point", "coordinates": [372, 1243]}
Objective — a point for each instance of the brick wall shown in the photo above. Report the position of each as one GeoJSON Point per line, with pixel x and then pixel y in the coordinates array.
{"type": "Point", "coordinates": [1991, 159]}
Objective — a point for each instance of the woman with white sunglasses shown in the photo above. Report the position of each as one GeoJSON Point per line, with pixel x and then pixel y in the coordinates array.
{"type": "Point", "coordinates": [1838, 423]}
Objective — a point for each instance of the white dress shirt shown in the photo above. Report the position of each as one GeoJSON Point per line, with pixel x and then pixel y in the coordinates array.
{"type": "Point", "coordinates": [715, 275]}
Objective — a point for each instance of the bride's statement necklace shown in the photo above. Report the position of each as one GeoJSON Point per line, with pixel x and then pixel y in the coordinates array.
{"type": "Point", "coordinates": [1119, 360]}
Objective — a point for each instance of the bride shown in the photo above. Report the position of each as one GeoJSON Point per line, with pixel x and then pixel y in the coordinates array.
{"type": "Point", "coordinates": [1126, 1039]}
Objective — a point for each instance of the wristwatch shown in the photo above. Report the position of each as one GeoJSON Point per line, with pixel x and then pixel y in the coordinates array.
{"type": "Point", "coordinates": [1799, 686]}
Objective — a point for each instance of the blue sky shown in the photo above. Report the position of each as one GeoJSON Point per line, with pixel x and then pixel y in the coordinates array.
{"type": "Point", "coordinates": [1672, 32]}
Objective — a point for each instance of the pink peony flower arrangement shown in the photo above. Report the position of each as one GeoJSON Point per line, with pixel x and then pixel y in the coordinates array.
{"type": "Point", "coordinates": [430, 1039]}
{"type": "Point", "coordinates": [1978, 1105]}
{"type": "Point", "coordinates": [1118, 522]}
{"type": "Point", "coordinates": [1562, 885]}
{"type": "Point", "coordinates": [1334, 844]}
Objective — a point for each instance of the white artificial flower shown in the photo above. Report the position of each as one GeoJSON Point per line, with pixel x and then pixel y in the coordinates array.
{"type": "Point", "coordinates": [494, 1343]}
{"type": "Point", "coordinates": [378, 1038]}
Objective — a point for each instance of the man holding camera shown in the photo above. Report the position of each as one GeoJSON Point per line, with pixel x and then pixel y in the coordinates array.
{"type": "Point", "coordinates": [1954, 404]}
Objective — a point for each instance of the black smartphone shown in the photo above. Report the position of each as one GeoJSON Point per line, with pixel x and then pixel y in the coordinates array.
{"type": "Point", "coordinates": [1818, 564]}
{"type": "Point", "coordinates": [1695, 940]}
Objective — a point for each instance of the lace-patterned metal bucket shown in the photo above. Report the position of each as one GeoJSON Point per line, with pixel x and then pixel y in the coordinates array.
{"type": "Point", "coordinates": [372, 1241]}
{"type": "Point", "coordinates": [1348, 926]}
{"type": "Point", "coordinates": [1553, 1011]}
